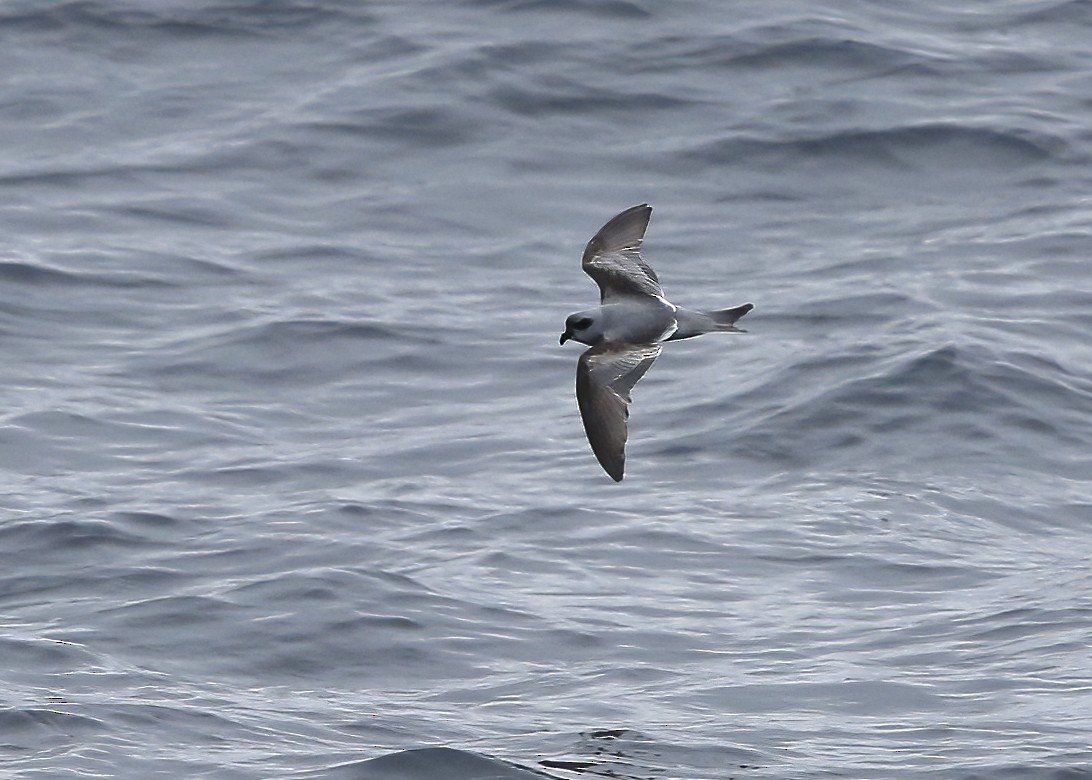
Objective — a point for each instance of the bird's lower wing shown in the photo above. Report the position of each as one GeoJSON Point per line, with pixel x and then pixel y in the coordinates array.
{"type": "Point", "coordinates": [605, 375]}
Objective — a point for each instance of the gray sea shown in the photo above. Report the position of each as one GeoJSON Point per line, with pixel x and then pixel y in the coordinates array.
{"type": "Point", "coordinates": [294, 484]}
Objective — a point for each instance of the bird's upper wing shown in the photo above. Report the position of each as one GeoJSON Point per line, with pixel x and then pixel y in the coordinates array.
{"type": "Point", "coordinates": [605, 375]}
{"type": "Point", "coordinates": [613, 257]}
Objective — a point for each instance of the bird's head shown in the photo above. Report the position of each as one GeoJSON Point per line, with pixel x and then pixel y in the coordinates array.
{"type": "Point", "coordinates": [585, 327]}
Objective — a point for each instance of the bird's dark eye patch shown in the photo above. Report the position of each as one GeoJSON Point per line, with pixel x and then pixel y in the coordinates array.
{"type": "Point", "coordinates": [582, 323]}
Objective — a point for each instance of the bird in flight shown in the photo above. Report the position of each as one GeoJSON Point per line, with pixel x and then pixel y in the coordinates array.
{"type": "Point", "coordinates": [625, 332]}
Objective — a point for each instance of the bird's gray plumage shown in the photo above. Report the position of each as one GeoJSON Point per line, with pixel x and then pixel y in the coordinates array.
{"type": "Point", "coordinates": [625, 332]}
{"type": "Point", "coordinates": [605, 375]}
{"type": "Point", "coordinates": [613, 257]}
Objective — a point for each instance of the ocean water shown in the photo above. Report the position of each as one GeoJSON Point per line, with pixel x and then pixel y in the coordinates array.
{"type": "Point", "coordinates": [294, 483]}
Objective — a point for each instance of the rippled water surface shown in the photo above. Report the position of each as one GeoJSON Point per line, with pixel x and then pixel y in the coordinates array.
{"type": "Point", "coordinates": [294, 482]}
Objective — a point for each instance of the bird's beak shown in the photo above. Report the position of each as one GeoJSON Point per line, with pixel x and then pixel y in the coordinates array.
{"type": "Point", "coordinates": [565, 336]}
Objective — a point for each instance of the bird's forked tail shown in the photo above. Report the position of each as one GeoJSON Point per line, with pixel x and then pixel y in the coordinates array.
{"type": "Point", "coordinates": [690, 323]}
{"type": "Point", "coordinates": [726, 318]}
